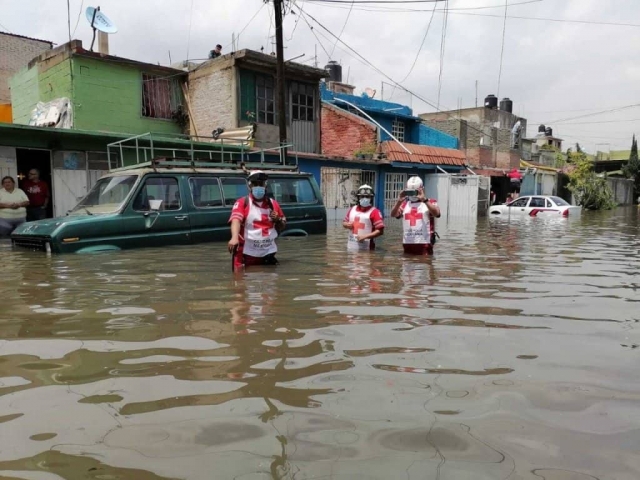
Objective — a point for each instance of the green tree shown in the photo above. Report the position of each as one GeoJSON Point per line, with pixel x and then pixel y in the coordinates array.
{"type": "Point", "coordinates": [589, 190]}
{"type": "Point", "coordinates": [632, 167]}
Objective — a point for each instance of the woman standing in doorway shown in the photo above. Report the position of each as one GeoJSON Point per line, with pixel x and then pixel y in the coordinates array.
{"type": "Point", "coordinates": [12, 206]}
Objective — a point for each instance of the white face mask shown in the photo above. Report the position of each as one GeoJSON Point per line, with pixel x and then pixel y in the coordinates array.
{"type": "Point", "coordinates": [365, 202]}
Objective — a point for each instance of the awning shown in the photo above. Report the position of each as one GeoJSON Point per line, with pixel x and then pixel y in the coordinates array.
{"type": "Point", "coordinates": [422, 154]}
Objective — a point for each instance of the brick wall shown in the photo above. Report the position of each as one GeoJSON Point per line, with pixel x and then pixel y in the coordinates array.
{"type": "Point", "coordinates": [344, 133]}
{"type": "Point", "coordinates": [212, 94]}
{"type": "Point", "coordinates": [15, 54]}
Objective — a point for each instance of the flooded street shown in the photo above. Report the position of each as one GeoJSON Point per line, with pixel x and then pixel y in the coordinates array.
{"type": "Point", "coordinates": [512, 354]}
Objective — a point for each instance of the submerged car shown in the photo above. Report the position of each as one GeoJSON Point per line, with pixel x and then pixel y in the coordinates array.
{"type": "Point", "coordinates": [537, 206]}
{"type": "Point", "coordinates": [170, 204]}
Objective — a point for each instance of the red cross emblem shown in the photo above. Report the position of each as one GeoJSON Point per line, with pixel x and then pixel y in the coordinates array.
{"type": "Point", "coordinates": [413, 216]}
{"type": "Point", "coordinates": [264, 223]}
{"type": "Point", "coordinates": [357, 226]}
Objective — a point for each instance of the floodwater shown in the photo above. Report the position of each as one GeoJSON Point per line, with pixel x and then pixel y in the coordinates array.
{"type": "Point", "coordinates": [513, 354]}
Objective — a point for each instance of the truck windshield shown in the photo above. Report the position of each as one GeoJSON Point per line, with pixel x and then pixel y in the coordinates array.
{"type": "Point", "coordinates": [107, 195]}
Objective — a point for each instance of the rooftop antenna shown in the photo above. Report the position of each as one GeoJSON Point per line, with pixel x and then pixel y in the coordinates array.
{"type": "Point", "coordinates": [100, 22]}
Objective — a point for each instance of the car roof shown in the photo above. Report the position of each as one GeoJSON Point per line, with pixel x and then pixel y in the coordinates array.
{"type": "Point", "coordinates": [201, 171]}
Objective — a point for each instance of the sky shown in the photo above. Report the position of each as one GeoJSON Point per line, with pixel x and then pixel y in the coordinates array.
{"type": "Point", "coordinates": [554, 69]}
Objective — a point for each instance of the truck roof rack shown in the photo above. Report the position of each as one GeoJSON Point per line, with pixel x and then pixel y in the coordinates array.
{"type": "Point", "coordinates": [149, 150]}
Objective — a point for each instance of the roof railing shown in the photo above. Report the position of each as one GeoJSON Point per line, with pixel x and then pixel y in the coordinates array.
{"type": "Point", "coordinates": [141, 150]}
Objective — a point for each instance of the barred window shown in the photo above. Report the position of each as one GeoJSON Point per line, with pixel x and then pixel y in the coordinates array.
{"type": "Point", "coordinates": [302, 97]}
{"type": "Point", "coordinates": [160, 96]}
{"type": "Point", "coordinates": [265, 100]}
{"type": "Point", "coordinates": [397, 129]}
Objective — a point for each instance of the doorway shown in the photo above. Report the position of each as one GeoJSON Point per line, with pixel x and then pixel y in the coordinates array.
{"type": "Point", "coordinates": [26, 159]}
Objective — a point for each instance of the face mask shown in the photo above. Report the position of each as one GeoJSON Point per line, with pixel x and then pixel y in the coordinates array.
{"type": "Point", "coordinates": [365, 202]}
{"type": "Point", "coordinates": [413, 199]}
{"type": "Point", "coordinates": [258, 192]}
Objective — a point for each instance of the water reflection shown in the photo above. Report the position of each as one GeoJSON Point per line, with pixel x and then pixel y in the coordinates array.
{"type": "Point", "coordinates": [510, 353]}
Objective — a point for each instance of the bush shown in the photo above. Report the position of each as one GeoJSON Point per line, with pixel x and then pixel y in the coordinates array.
{"type": "Point", "coordinates": [589, 190]}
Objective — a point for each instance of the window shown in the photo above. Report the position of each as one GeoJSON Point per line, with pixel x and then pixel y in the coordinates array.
{"type": "Point", "coordinates": [520, 202]}
{"type": "Point", "coordinates": [233, 189]}
{"type": "Point", "coordinates": [549, 204]}
{"type": "Point", "coordinates": [265, 100]}
{"type": "Point", "coordinates": [560, 202]}
{"type": "Point", "coordinates": [109, 192]}
{"type": "Point", "coordinates": [205, 192]}
{"type": "Point", "coordinates": [537, 202]}
{"type": "Point", "coordinates": [302, 102]}
{"type": "Point", "coordinates": [397, 129]}
{"type": "Point", "coordinates": [160, 96]}
{"type": "Point", "coordinates": [291, 190]}
{"type": "Point", "coordinates": [159, 188]}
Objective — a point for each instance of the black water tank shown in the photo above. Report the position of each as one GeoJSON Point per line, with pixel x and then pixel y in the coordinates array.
{"type": "Point", "coordinates": [542, 129]}
{"type": "Point", "coordinates": [549, 132]}
{"type": "Point", "coordinates": [506, 105]}
{"type": "Point", "coordinates": [335, 71]}
{"type": "Point", "coordinates": [491, 101]}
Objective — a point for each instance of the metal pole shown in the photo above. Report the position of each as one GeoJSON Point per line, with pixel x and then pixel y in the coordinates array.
{"type": "Point", "coordinates": [282, 118]}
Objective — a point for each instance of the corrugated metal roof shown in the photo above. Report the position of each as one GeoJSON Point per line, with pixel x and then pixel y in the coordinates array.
{"type": "Point", "coordinates": [422, 154]}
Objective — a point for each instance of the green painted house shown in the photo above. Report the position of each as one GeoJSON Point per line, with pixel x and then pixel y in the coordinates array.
{"type": "Point", "coordinates": [98, 92]}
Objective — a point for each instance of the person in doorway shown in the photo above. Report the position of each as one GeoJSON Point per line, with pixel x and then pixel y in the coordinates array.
{"type": "Point", "coordinates": [364, 221]}
{"type": "Point", "coordinates": [12, 206]}
{"type": "Point", "coordinates": [418, 214]}
{"type": "Point", "coordinates": [216, 52]}
{"type": "Point", "coordinates": [38, 193]}
{"type": "Point", "coordinates": [256, 221]}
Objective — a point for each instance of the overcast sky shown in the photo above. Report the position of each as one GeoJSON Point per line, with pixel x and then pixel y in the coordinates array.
{"type": "Point", "coordinates": [551, 70]}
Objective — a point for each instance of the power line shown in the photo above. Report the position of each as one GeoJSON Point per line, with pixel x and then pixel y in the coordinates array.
{"type": "Point", "coordinates": [562, 20]}
{"type": "Point", "coordinates": [594, 113]}
{"type": "Point", "coordinates": [442, 47]}
{"type": "Point", "coordinates": [304, 17]}
{"type": "Point", "coordinates": [344, 26]}
{"type": "Point", "coordinates": [363, 2]}
{"type": "Point", "coordinates": [413, 10]}
{"type": "Point", "coordinates": [69, 18]}
{"type": "Point", "coordinates": [78, 20]}
{"type": "Point", "coordinates": [5, 28]}
{"type": "Point", "coordinates": [504, 31]}
{"type": "Point", "coordinates": [190, 23]}
{"type": "Point", "coordinates": [415, 61]}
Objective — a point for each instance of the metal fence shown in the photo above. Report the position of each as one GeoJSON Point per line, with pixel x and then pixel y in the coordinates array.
{"type": "Point", "coordinates": [339, 186]}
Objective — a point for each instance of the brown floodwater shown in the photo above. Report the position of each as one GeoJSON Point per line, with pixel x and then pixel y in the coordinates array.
{"type": "Point", "coordinates": [514, 353]}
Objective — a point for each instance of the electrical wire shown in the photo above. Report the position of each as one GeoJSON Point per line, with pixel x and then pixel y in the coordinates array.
{"type": "Point", "coordinates": [344, 26]}
{"type": "Point", "coordinates": [593, 114]}
{"type": "Point", "coordinates": [304, 17]}
{"type": "Point", "coordinates": [442, 47]}
{"type": "Point", "coordinates": [69, 17]}
{"type": "Point", "coordinates": [78, 20]}
{"type": "Point", "coordinates": [190, 23]}
{"type": "Point", "coordinates": [414, 10]}
{"type": "Point", "coordinates": [561, 20]}
{"type": "Point", "coordinates": [5, 28]}
{"type": "Point", "coordinates": [504, 31]}
{"type": "Point", "coordinates": [424, 38]}
{"type": "Point", "coordinates": [362, 2]}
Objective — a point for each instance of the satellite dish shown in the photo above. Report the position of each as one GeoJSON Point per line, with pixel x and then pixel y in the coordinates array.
{"type": "Point", "coordinates": [370, 92]}
{"type": "Point", "coordinates": [99, 21]}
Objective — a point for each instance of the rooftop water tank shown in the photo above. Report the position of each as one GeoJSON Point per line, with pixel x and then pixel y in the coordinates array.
{"type": "Point", "coordinates": [542, 129]}
{"type": "Point", "coordinates": [335, 71]}
{"type": "Point", "coordinates": [506, 105]}
{"type": "Point", "coordinates": [491, 101]}
{"type": "Point", "coordinates": [549, 132]}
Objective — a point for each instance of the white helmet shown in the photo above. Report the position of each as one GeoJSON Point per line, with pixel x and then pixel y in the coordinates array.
{"type": "Point", "coordinates": [365, 191]}
{"type": "Point", "coordinates": [414, 183]}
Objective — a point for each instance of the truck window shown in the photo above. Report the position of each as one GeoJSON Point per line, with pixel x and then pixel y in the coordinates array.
{"type": "Point", "coordinates": [291, 190]}
{"type": "Point", "coordinates": [233, 189]}
{"type": "Point", "coordinates": [159, 188]}
{"type": "Point", "coordinates": [205, 192]}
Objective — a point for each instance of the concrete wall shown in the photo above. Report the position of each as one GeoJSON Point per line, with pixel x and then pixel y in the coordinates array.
{"type": "Point", "coordinates": [15, 53]}
{"type": "Point", "coordinates": [107, 97]}
{"type": "Point", "coordinates": [622, 189]}
{"type": "Point", "coordinates": [25, 93]}
{"type": "Point", "coordinates": [212, 91]}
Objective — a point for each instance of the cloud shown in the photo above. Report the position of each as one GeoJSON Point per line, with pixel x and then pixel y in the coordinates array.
{"type": "Point", "coordinates": [547, 66]}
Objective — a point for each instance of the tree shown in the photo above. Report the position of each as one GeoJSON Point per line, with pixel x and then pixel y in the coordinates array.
{"type": "Point", "coordinates": [589, 190]}
{"type": "Point", "coordinates": [632, 167]}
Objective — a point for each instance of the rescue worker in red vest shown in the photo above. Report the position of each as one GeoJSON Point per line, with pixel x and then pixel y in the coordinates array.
{"type": "Point", "coordinates": [364, 221]}
{"type": "Point", "coordinates": [255, 222]}
{"type": "Point", "coordinates": [418, 214]}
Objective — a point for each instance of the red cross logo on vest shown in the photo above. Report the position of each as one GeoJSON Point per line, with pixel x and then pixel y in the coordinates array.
{"type": "Point", "coordinates": [357, 226]}
{"type": "Point", "coordinates": [413, 216]}
{"type": "Point", "coordinates": [264, 223]}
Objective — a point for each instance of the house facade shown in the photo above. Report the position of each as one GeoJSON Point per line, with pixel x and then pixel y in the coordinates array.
{"type": "Point", "coordinates": [16, 51]}
{"type": "Point", "coordinates": [239, 89]}
{"type": "Point", "coordinates": [89, 91]}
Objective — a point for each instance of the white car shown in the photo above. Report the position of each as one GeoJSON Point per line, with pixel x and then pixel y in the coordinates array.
{"type": "Point", "coordinates": [536, 206]}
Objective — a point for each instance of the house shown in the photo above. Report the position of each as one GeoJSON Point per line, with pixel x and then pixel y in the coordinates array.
{"type": "Point", "coordinates": [492, 137]}
{"type": "Point", "coordinates": [15, 52]}
{"type": "Point", "coordinates": [74, 88]}
{"type": "Point", "coordinates": [239, 89]}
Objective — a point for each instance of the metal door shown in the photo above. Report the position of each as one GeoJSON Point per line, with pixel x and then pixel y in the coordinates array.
{"type": "Point", "coordinates": [393, 186]}
{"type": "Point", "coordinates": [338, 186]}
{"type": "Point", "coordinates": [303, 114]}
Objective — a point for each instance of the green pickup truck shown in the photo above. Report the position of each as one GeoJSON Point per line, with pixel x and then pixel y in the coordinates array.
{"type": "Point", "coordinates": [161, 205]}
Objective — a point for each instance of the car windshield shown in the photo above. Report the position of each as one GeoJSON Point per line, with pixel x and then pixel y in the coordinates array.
{"type": "Point", "coordinates": [107, 195]}
{"type": "Point", "coordinates": [559, 201]}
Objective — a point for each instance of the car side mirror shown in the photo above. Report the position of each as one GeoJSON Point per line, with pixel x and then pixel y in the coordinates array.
{"type": "Point", "coordinates": [154, 205]}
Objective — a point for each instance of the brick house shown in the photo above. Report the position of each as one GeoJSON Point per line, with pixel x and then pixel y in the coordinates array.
{"type": "Point", "coordinates": [15, 52]}
{"type": "Point", "coordinates": [239, 88]}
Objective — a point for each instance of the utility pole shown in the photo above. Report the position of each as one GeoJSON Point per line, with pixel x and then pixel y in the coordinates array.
{"type": "Point", "coordinates": [282, 118]}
